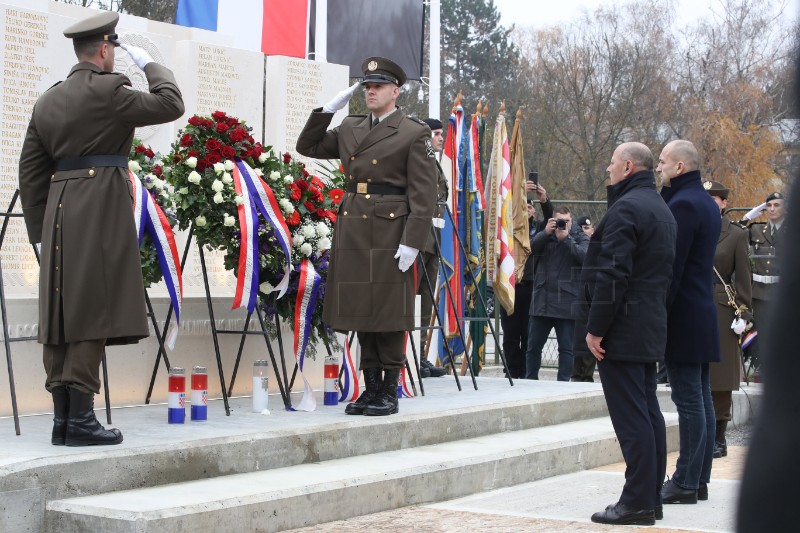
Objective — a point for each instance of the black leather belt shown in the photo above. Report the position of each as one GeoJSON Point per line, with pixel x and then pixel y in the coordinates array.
{"type": "Point", "coordinates": [374, 188]}
{"type": "Point", "coordinates": [88, 161]}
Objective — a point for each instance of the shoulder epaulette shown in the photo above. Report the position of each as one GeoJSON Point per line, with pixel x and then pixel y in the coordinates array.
{"type": "Point", "coordinates": [56, 83]}
{"type": "Point", "coordinates": [415, 119]}
{"type": "Point", "coordinates": [356, 116]}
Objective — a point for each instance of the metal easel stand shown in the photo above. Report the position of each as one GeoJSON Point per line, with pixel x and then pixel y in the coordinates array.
{"type": "Point", "coordinates": [7, 340]}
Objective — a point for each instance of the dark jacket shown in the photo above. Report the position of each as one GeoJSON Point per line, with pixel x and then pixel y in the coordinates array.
{"type": "Point", "coordinates": [90, 282]}
{"type": "Point", "coordinates": [692, 315]}
{"type": "Point", "coordinates": [557, 273]}
{"type": "Point", "coordinates": [535, 227]}
{"type": "Point", "coordinates": [626, 275]}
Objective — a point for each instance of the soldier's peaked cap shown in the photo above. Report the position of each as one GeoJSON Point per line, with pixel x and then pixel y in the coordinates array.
{"type": "Point", "coordinates": [715, 188]}
{"type": "Point", "coordinates": [98, 27]}
{"type": "Point", "coordinates": [774, 196]}
{"type": "Point", "coordinates": [382, 70]}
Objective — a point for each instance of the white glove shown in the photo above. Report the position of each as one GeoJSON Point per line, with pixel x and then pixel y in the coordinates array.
{"type": "Point", "coordinates": [407, 255]}
{"type": "Point", "coordinates": [738, 325]}
{"type": "Point", "coordinates": [438, 223]}
{"type": "Point", "coordinates": [341, 99]}
{"type": "Point", "coordinates": [138, 55]}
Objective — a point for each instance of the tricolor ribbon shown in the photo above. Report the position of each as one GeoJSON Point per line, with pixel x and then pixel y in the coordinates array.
{"type": "Point", "coordinates": [258, 197]}
{"type": "Point", "coordinates": [402, 387]}
{"type": "Point", "coordinates": [350, 388]}
{"type": "Point", "coordinates": [148, 215]}
{"type": "Point", "coordinates": [306, 303]}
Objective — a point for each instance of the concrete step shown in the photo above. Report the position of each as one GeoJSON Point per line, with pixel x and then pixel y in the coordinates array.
{"type": "Point", "coordinates": [313, 493]}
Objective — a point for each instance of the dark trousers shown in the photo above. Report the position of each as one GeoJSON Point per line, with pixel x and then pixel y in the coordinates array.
{"type": "Point", "coordinates": [74, 364]}
{"type": "Point", "coordinates": [583, 369]}
{"type": "Point", "coordinates": [723, 403]}
{"type": "Point", "coordinates": [431, 262]}
{"type": "Point", "coordinates": [538, 332]}
{"type": "Point", "coordinates": [761, 319]}
{"type": "Point", "coordinates": [630, 391]}
{"type": "Point", "coordinates": [382, 349]}
{"type": "Point", "coordinates": [515, 330]}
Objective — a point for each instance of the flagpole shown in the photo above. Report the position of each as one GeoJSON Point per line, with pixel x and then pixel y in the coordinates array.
{"type": "Point", "coordinates": [435, 87]}
{"type": "Point", "coordinates": [321, 39]}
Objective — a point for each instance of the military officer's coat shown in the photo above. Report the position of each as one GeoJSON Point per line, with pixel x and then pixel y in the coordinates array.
{"type": "Point", "coordinates": [733, 264]}
{"type": "Point", "coordinates": [764, 245]}
{"type": "Point", "coordinates": [439, 212]}
{"type": "Point", "coordinates": [90, 284]}
{"type": "Point", "coordinates": [365, 289]}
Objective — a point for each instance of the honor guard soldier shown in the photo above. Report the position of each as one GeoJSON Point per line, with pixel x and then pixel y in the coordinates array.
{"type": "Point", "coordinates": [77, 202]}
{"type": "Point", "coordinates": [765, 241]}
{"type": "Point", "coordinates": [384, 219]}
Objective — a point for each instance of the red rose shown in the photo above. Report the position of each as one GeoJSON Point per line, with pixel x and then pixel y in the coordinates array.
{"type": "Point", "coordinates": [213, 145]}
{"type": "Point", "coordinates": [222, 127]}
{"type": "Point", "coordinates": [303, 184]}
{"type": "Point", "coordinates": [287, 158]}
{"type": "Point", "coordinates": [305, 173]}
{"type": "Point", "coordinates": [321, 213]}
{"type": "Point", "coordinates": [238, 135]}
{"type": "Point", "coordinates": [149, 153]}
{"type": "Point", "coordinates": [157, 170]}
{"type": "Point", "coordinates": [212, 158]}
{"type": "Point", "coordinates": [316, 181]}
{"type": "Point", "coordinates": [186, 140]}
{"type": "Point", "coordinates": [331, 216]}
{"type": "Point", "coordinates": [258, 150]}
{"type": "Point", "coordinates": [140, 149]}
{"type": "Point", "coordinates": [317, 196]}
{"type": "Point", "coordinates": [202, 165]}
{"type": "Point", "coordinates": [250, 139]}
{"type": "Point", "coordinates": [192, 153]}
{"type": "Point", "coordinates": [296, 193]}
{"type": "Point", "coordinates": [232, 121]}
{"type": "Point", "coordinates": [336, 195]}
{"type": "Point", "coordinates": [294, 219]}
{"type": "Point", "coordinates": [228, 152]}
{"type": "Point", "coordinates": [219, 116]}
{"type": "Point", "coordinates": [310, 206]}
{"type": "Point", "coordinates": [176, 159]}
{"type": "Point", "coordinates": [208, 123]}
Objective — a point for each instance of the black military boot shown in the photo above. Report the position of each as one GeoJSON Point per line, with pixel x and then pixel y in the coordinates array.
{"type": "Point", "coordinates": [83, 429]}
{"type": "Point", "coordinates": [373, 381]}
{"type": "Point", "coordinates": [720, 445]}
{"type": "Point", "coordinates": [386, 403]}
{"type": "Point", "coordinates": [60, 414]}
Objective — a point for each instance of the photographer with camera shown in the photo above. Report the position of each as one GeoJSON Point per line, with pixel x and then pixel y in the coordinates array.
{"type": "Point", "coordinates": [558, 257]}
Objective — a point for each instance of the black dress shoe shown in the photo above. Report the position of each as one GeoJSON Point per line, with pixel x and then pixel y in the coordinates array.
{"type": "Point", "coordinates": [621, 514]}
{"type": "Point", "coordinates": [702, 492]}
{"type": "Point", "coordinates": [672, 493]}
{"type": "Point", "coordinates": [433, 370]}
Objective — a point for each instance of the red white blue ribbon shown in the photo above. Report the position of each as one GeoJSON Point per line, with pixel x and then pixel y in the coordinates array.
{"type": "Point", "coordinates": [350, 388]}
{"type": "Point", "coordinates": [402, 387]}
{"type": "Point", "coordinates": [306, 303]}
{"type": "Point", "coordinates": [148, 215]}
{"type": "Point", "coordinates": [258, 197]}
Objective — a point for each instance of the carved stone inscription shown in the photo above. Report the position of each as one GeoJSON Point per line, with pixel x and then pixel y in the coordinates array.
{"type": "Point", "coordinates": [303, 89]}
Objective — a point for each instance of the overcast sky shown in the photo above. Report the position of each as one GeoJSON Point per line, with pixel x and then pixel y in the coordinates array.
{"type": "Point", "coordinates": [541, 13]}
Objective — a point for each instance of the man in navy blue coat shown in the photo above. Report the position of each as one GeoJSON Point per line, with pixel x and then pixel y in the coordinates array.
{"type": "Point", "coordinates": [622, 322]}
{"type": "Point", "coordinates": [692, 335]}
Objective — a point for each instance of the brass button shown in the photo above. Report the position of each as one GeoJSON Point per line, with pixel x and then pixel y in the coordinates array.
{"type": "Point", "coordinates": [352, 158]}
{"type": "Point", "coordinates": [57, 226]}
{"type": "Point", "coordinates": [345, 213]}
{"type": "Point", "coordinates": [56, 289]}
{"type": "Point", "coordinates": [363, 216]}
{"type": "Point", "coordinates": [56, 247]}
{"type": "Point", "coordinates": [367, 197]}
{"type": "Point", "coordinates": [91, 172]}
{"type": "Point", "coordinates": [391, 215]}
{"type": "Point", "coordinates": [57, 269]}
{"type": "Point", "coordinates": [52, 177]}
{"type": "Point", "coordinates": [59, 206]}
{"type": "Point", "coordinates": [374, 161]}
{"type": "Point", "coordinates": [369, 180]}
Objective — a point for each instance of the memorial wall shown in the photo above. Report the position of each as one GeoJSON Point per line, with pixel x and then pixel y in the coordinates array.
{"type": "Point", "coordinates": [274, 95]}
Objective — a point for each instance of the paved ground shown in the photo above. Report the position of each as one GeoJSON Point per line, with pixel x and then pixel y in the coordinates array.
{"type": "Point", "coordinates": [561, 504]}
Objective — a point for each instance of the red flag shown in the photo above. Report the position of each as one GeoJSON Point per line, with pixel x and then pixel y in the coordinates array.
{"type": "Point", "coordinates": [285, 28]}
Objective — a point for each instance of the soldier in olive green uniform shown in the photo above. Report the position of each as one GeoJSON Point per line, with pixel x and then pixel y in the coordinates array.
{"type": "Point", "coordinates": [765, 242]}
{"type": "Point", "coordinates": [77, 202]}
{"type": "Point", "coordinates": [732, 262]}
{"type": "Point", "coordinates": [386, 214]}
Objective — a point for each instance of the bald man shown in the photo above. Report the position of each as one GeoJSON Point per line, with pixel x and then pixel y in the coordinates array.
{"type": "Point", "coordinates": [622, 297]}
{"type": "Point", "coordinates": [692, 335]}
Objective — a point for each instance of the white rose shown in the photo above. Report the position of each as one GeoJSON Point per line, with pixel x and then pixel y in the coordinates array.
{"type": "Point", "coordinates": [191, 162]}
{"type": "Point", "coordinates": [219, 168]}
{"type": "Point", "coordinates": [218, 199]}
{"type": "Point", "coordinates": [200, 221]}
{"type": "Point", "coordinates": [309, 231]}
{"type": "Point", "coordinates": [229, 165]}
{"type": "Point", "coordinates": [159, 184]}
{"type": "Point", "coordinates": [134, 166]}
{"type": "Point", "coordinates": [194, 177]}
{"type": "Point", "coordinates": [286, 206]}
{"type": "Point", "coordinates": [148, 183]}
{"type": "Point", "coordinates": [288, 180]}
{"type": "Point", "coordinates": [324, 244]}
{"type": "Point", "coordinates": [258, 172]}
{"type": "Point", "coordinates": [262, 157]}
{"type": "Point", "coordinates": [164, 194]}
{"type": "Point", "coordinates": [239, 199]}
{"type": "Point", "coordinates": [227, 179]}
{"type": "Point", "coordinates": [306, 249]}
{"type": "Point", "coordinates": [229, 220]}
{"type": "Point", "coordinates": [322, 229]}
{"type": "Point", "coordinates": [217, 186]}
{"type": "Point", "coordinates": [266, 287]}
{"type": "Point", "coordinates": [298, 239]}
{"type": "Point", "coordinates": [184, 190]}
{"type": "Point", "coordinates": [274, 175]}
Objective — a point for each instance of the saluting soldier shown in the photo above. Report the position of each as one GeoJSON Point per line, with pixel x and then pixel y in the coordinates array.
{"type": "Point", "coordinates": [77, 202]}
{"type": "Point", "coordinates": [765, 242]}
{"type": "Point", "coordinates": [385, 215]}
{"type": "Point", "coordinates": [732, 265]}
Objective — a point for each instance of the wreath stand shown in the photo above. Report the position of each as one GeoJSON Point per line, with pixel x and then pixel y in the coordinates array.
{"type": "Point", "coordinates": [7, 339]}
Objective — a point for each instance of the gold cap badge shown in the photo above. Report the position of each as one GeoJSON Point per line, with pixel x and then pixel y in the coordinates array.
{"type": "Point", "coordinates": [373, 65]}
{"type": "Point", "coordinates": [707, 185]}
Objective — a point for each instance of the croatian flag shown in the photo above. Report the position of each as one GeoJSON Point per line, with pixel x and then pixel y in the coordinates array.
{"type": "Point", "coordinates": [273, 27]}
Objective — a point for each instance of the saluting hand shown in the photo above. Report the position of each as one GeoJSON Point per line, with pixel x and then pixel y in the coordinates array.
{"type": "Point", "coordinates": [138, 55]}
{"type": "Point", "coordinates": [341, 99]}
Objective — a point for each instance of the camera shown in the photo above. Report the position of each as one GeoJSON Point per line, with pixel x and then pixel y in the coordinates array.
{"type": "Point", "coordinates": [561, 223]}
{"type": "Point", "coordinates": [534, 177]}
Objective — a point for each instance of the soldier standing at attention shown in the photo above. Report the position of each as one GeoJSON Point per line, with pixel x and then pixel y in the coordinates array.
{"type": "Point", "coordinates": [384, 220]}
{"type": "Point", "coordinates": [77, 202]}
{"type": "Point", "coordinates": [765, 240]}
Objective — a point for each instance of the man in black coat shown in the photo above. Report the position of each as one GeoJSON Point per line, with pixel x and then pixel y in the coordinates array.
{"type": "Point", "coordinates": [692, 335]}
{"type": "Point", "coordinates": [622, 322]}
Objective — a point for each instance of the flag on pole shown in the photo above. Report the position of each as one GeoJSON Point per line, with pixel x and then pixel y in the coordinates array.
{"type": "Point", "coordinates": [500, 226]}
{"type": "Point", "coordinates": [477, 329]}
{"type": "Point", "coordinates": [519, 209]}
